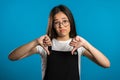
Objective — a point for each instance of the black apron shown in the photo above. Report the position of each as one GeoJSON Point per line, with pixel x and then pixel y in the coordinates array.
{"type": "Point", "coordinates": [62, 65]}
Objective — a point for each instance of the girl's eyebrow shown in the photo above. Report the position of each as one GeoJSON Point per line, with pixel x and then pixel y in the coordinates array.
{"type": "Point", "coordinates": [55, 19]}
{"type": "Point", "coordinates": [62, 18]}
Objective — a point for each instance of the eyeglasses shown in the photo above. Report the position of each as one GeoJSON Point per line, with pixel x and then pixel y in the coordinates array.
{"type": "Point", "coordinates": [64, 23]}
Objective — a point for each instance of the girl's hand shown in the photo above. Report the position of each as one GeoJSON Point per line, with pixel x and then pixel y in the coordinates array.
{"type": "Point", "coordinates": [45, 41]}
{"type": "Point", "coordinates": [76, 43]}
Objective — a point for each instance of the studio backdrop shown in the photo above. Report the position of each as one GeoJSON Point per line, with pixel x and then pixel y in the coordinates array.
{"type": "Point", "coordinates": [22, 21]}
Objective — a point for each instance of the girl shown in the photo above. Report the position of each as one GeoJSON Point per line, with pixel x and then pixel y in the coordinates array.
{"type": "Point", "coordinates": [61, 48]}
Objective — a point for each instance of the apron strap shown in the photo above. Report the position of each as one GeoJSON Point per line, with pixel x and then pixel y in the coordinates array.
{"type": "Point", "coordinates": [49, 48]}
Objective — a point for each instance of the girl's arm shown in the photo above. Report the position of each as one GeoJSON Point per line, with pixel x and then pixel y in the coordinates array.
{"type": "Point", "coordinates": [95, 55]}
{"type": "Point", "coordinates": [90, 52]}
{"type": "Point", "coordinates": [23, 51]}
{"type": "Point", "coordinates": [30, 48]}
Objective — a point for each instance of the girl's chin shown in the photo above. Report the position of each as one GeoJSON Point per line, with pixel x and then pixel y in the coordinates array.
{"type": "Point", "coordinates": [62, 35]}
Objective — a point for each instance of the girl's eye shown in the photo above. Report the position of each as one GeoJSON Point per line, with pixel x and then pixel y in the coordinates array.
{"type": "Point", "coordinates": [65, 21]}
{"type": "Point", "coordinates": [56, 23]}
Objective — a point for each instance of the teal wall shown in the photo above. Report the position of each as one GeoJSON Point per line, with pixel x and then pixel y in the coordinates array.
{"type": "Point", "coordinates": [22, 21]}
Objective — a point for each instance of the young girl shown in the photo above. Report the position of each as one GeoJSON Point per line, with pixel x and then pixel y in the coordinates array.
{"type": "Point", "coordinates": [61, 48]}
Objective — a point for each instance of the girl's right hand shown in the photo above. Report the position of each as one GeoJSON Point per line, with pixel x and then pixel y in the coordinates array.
{"type": "Point", "coordinates": [44, 42]}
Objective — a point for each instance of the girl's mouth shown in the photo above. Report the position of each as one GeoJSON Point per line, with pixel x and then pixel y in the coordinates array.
{"type": "Point", "coordinates": [62, 30]}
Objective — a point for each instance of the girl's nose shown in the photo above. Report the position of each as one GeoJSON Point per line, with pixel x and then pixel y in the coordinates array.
{"type": "Point", "coordinates": [61, 25]}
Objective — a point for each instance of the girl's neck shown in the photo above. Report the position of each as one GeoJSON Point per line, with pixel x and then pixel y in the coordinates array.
{"type": "Point", "coordinates": [62, 38]}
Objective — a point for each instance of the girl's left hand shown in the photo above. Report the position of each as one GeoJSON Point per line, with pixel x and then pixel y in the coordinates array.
{"type": "Point", "coordinates": [76, 43]}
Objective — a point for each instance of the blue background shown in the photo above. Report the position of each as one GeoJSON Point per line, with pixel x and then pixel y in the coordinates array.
{"type": "Point", "coordinates": [22, 21]}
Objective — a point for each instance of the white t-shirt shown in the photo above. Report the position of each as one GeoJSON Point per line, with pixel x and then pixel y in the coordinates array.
{"type": "Point", "coordinates": [58, 46]}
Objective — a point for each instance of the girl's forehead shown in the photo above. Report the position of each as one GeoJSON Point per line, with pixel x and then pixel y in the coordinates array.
{"type": "Point", "coordinates": [60, 15]}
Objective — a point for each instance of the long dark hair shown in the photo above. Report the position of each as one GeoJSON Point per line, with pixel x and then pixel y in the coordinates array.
{"type": "Point", "coordinates": [60, 8]}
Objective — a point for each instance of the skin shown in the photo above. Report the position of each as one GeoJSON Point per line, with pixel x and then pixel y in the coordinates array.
{"type": "Point", "coordinates": [62, 31]}
{"type": "Point", "coordinates": [63, 34]}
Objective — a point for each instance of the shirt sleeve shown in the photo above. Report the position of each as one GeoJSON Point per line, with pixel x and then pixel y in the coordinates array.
{"type": "Point", "coordinates": [40, 50]}
{"type": "Point", "coordinates": [81, 50]}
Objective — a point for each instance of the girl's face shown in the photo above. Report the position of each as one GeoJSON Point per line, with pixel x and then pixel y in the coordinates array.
{"type": "Point", "coordinates": [61, 25]}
